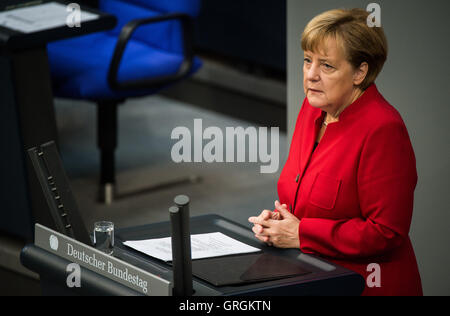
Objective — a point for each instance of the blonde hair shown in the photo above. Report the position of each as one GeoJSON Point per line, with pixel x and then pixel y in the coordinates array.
{"type": "Point", "coordinates": [359, 42]}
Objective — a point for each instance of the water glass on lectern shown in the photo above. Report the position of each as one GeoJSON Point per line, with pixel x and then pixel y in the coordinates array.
{"type": "Point", "coordinates": [104, 236]}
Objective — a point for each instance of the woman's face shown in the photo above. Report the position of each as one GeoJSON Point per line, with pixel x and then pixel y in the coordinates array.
{"type": "Point", "coordinates": [328, 78]}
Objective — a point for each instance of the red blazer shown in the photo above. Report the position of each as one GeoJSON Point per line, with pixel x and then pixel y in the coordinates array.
{"type": "Point", "coordinates": [354, 193]}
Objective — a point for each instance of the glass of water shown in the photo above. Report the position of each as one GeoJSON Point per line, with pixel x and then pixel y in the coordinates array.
{"type": "Point", "coordinates": [104, 236]}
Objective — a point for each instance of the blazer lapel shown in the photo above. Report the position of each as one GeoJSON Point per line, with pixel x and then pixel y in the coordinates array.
{"type": "Point", "coordinates": [310, 129]}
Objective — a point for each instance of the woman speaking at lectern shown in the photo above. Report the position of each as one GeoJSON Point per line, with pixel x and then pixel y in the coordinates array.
{"type": "Point", "coordinates": [346, 191]}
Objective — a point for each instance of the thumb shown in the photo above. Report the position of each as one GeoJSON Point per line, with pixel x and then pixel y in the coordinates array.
{"type": "Point", "coordinates": [282, 209]}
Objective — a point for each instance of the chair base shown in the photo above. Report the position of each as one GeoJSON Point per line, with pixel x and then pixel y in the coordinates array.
{"type": "Point", "coordinates": [107, 132]}
{"type": "Point", "coordinates": [109, 194]}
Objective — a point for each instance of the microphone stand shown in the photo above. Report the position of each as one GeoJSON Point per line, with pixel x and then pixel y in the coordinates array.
{"type": "Point", "coordinates": [181, 247]}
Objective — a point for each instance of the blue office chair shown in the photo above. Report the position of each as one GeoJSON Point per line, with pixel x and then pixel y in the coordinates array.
{"type": "Point", "coordinates": [150, 48]}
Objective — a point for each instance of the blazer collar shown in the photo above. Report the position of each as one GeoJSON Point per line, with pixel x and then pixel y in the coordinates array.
{"type": "Point", "coordinates": [353, 109]}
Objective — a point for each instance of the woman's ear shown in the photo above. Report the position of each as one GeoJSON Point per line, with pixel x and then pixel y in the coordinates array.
{"type": "Point", "coordinates": [360, 73]}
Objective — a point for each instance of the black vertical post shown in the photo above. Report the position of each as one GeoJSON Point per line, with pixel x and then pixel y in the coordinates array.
{"type": "Point", "coordinates": [27, 120]}
{"type": "Point", "coordinates": [181, 247]}
{"type": "Point", "coordinates": [107, 134]}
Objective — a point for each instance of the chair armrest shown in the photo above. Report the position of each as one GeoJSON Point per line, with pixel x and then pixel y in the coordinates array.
{"type": "Point", "coordinates": [125, 35]}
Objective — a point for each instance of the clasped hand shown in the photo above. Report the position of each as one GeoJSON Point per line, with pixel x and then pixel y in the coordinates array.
{"type": "Point", "coordinates": [279, 229]}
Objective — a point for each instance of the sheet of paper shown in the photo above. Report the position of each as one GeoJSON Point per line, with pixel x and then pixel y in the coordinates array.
{"type": "Point", "coordinates": [202, 246]}
{"type": "Point", "coordinates": [40, 17]}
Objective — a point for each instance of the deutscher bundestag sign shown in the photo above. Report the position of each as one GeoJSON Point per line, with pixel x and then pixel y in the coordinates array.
{"type": "Point", "coordinates": [101, 263]}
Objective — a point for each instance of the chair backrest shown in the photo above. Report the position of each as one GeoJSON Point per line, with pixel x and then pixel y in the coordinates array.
{"type": "Point", "coordinates": [157, 35]}
{"type": "Point", "coordinates": [191, 7]}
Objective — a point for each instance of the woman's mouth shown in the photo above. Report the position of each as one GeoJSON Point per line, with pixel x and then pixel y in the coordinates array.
{"type": "Point", "coordinates": [315, 90]}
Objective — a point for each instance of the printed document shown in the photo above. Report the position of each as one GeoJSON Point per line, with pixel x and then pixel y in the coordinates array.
{"type": "Point", "coordinates": [202, 246]}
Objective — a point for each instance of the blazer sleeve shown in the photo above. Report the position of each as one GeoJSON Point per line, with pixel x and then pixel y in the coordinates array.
{"type": "Point", "coordinates": [387, 178]}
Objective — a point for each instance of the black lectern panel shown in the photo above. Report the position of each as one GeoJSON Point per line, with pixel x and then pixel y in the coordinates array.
{"type": "Point", "coordinates": [323, 278]}
{"type": "Point", "coordinates": [53, 276]}
{"type": "Point", "coordinates": [57, 192]}
{"type": "Point", "coordinates": [314, 276]}
{"type": "Point", "coordinates": [244, 269]}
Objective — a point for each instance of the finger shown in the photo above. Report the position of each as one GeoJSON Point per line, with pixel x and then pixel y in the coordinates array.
{"type": "Point", "coordinates": [283, 210]}
{"type": "Point", "coordinates": [276, 216]}
{"type": "Point", "coordinates": [280, 206]}
{"type": "Point", "coordinates": [285, 213]}
{"type": "Point", "coordinates": [262, 231]}
{"type": "Point", "coordinates": [258, 220]}
{"type": "Point", "coordinates": [263, 238]}
{"type": "Point", "coordinates": [266, 214]}
{"type": "Point", "coordinates": [258, 229]}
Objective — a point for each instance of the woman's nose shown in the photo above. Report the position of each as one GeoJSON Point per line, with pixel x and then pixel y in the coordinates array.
{"type": "Point", "coordinates": [312, 73]}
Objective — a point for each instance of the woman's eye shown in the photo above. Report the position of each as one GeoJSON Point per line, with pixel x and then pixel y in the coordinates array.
{"type": "Point", "coordinates": [327, 66]}
{"type": "Point", "coordinates": [307, 60]}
